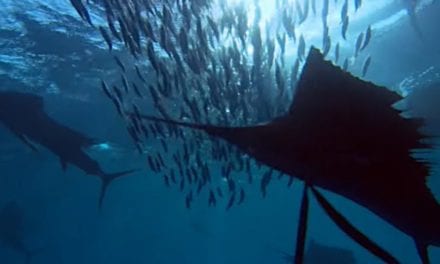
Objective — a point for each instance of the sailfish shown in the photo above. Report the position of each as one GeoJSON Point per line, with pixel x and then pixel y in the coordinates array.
{"type": "Point", "coordinates": [23, 114]}
{"type": "Point", "coordinates": [342, 134]}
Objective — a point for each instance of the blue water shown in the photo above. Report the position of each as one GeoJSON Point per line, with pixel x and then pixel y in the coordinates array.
{"type": "Point", "coordinates": [46, 49]}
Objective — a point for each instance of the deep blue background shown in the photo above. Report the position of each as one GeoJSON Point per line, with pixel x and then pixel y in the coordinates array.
{"type": "Point", "coordinates": [142, 221]}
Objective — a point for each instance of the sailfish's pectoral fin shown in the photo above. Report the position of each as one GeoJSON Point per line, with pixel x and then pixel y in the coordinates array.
{"type": "Point", "coordinates": [352, 231]}
{"type": "Point", "coordinates": [422, 249]}
{"type": "Point", "coordinates": [27, 142]}
{"type": "Point", "coordinates": [302, 227]}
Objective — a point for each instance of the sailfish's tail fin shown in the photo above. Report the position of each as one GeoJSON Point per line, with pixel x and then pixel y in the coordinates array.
{"type": "Point", "coordinates": [107, 179]}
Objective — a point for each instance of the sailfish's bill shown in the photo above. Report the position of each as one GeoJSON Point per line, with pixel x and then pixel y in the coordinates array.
{"type": "Point", "coordinates": [343, 135]}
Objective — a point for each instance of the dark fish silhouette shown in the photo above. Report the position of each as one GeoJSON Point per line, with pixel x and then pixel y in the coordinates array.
{"type": "Point", "coordinates": [344, 29]}
{"type": "Point", "coordinates": [342, 134]}
{"type": "Point", "coordinates": [366, 66]}
{"type": "Point", "coordinates": [82, 11]}
{"type": "Point", "coordinates": [106, 37]}
{"type": "Point", "coordinates": [23, 114]}
{"type": "Point", "coordinates": [367, 38]}
{"type": "Point", "coordinates": [12, 233]}
{"type": "Point", "coordinates": [357, 4]}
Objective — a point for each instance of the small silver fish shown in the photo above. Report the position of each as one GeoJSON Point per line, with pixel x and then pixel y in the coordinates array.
{"type": "Point", "coordinates": [358, 45]}
{"type": "Point", "coordinates": [367, 38]}
{"type": "Point", "coordinates": [366, 66]}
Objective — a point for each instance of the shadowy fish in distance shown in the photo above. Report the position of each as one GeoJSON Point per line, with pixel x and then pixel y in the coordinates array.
{"type": "Point", "coordinates": [23, 114]}
{"type": "Point", "coordinates": [318, 253]}
{"type": "Point", "coordinates": [12, 232]}
{"type": "Point", "coordinates": [343, 135]}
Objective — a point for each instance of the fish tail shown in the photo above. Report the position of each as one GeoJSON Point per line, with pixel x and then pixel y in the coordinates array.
{"type": "Point", "coordinates": [107, 179]}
